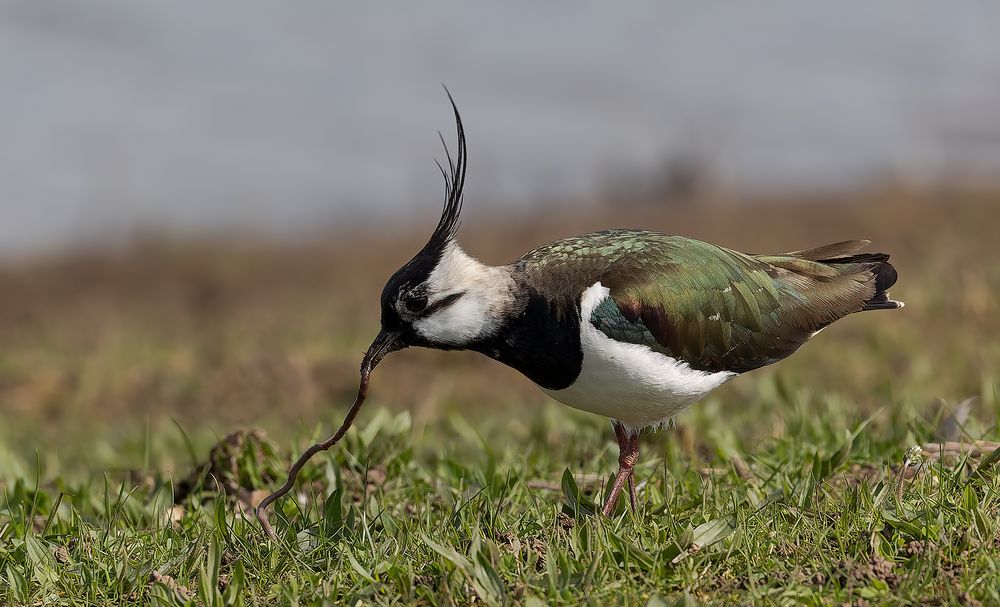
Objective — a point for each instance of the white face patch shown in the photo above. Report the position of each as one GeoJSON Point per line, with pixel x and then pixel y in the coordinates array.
{"type": "Point", "coordinates": [478, 313]}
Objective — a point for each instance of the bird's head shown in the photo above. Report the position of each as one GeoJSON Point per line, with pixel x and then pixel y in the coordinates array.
{"type": "Point", "coordinates": [443, 298]}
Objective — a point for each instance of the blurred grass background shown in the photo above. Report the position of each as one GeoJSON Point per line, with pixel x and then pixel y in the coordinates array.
{"type": "Point", "coordinates": [102, 348]}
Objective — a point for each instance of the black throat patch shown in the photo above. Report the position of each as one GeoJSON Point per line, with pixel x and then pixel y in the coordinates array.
{"type": "Point", "coordinates": [542, 342]}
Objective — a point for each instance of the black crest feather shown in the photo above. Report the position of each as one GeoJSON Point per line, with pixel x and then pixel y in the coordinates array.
{"type": "Point", "coordinates": [454, 182]}
{"type": "Point", "coordinates": [409, 278]}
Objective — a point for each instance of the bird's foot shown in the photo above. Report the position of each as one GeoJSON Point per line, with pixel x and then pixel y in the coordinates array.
{"type": "Point", "coordinates": [628, 455]}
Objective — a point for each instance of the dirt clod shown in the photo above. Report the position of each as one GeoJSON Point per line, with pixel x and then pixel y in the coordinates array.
{"type": "Point", "coordinates": [537, 547]}
{"type": "Point", "coordinates": [851, 573]}
{"type": "Point", "coordinates": [171, 584]}
{"type": "Point", "coordinates": [565, 521]}
{"type": "Point", "coordinates": [225, 466]}
{"type": "Point", "coordinates": [359, 484]}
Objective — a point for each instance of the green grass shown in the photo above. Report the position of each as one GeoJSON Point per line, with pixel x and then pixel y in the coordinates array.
{"type": "Point", "coordinates": [461, 483]}
{"type": "Point", "coordinates": [453, 513]}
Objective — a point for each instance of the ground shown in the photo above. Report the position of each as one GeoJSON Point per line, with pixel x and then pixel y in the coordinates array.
{"type": "Point", "coordinates": [152, 394]}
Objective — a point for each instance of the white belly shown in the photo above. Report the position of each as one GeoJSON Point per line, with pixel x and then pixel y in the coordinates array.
{"type": "Point", "coordinates": [630, 382]}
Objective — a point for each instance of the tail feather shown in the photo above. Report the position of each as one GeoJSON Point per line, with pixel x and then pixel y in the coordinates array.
{"type": "Point", "coordinates": [884, 274]}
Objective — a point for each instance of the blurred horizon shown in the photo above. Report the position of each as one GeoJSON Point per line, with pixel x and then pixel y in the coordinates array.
{"type": "Point", "coordinates": [123, 118]}
{"type": "Point", "coordinates": [221, 332]}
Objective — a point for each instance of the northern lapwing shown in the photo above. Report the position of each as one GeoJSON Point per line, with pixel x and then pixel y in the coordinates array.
{"type": "Point", "coordinates": [631, 324]}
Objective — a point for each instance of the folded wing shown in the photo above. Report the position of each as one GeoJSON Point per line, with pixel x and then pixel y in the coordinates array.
{"type": "Point", "coordinates": [720, 310]}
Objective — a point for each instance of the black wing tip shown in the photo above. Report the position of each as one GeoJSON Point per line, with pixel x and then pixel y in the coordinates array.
{"type": "Point", "coordinates": [882, 271]}
{"type": "Point", "coordinates": [859, 258]}
{"type": "Point", "coordinates": [885, 276]}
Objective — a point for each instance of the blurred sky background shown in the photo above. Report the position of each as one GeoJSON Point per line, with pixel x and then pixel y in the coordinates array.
{"type": "Point", "coordinates": [118, 115]}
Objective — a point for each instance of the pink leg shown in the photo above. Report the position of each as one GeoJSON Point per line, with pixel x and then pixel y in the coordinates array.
{"type": "Point", "coordinates": [628, 455]}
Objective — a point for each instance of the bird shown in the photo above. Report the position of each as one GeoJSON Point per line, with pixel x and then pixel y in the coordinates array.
{"type": "Point", "coordinates": [631, 324]}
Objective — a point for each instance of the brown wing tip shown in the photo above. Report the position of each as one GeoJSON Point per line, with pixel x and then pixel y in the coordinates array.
{"type": "Point", "coordinates": [832, 251]}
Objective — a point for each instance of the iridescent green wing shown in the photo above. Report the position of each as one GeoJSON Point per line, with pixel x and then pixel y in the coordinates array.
{"type": "Point", "coordinates": [711, 307]}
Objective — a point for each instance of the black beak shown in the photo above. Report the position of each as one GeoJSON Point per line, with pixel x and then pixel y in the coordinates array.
{"type": "Point", "coordinates": [385, 342]}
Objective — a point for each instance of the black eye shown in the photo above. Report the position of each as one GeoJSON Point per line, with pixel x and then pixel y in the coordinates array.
{"type": "Point", "coordinates": [416, 304]}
